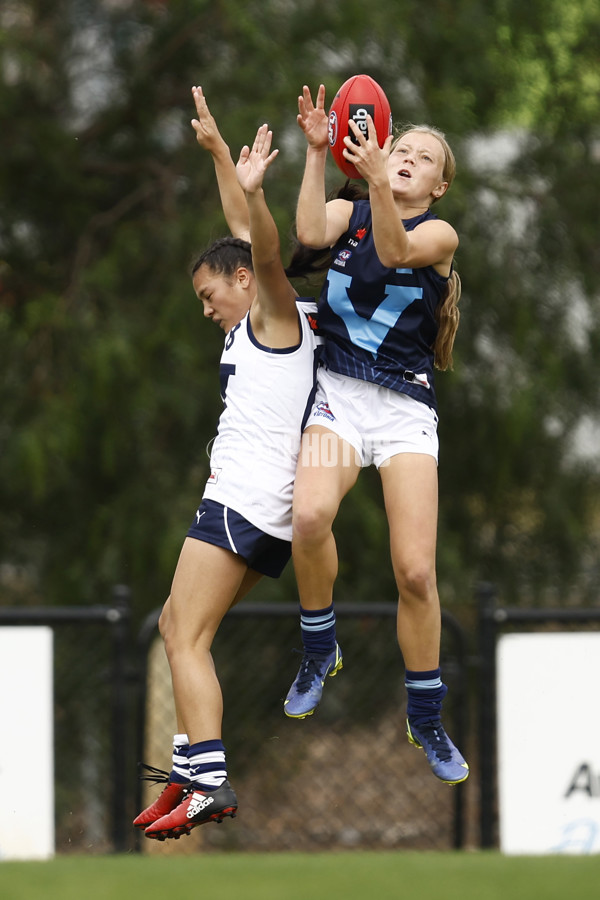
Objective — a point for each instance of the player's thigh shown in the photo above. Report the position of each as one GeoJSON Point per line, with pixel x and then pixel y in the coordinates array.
{"type": "Point", "coordinates": [206, 582]}
{"type": "Point", "coordinates": [328, 467]}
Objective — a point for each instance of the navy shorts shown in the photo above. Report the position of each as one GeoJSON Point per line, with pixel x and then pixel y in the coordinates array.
{"type": "Point", "coordinates": [224, 527]}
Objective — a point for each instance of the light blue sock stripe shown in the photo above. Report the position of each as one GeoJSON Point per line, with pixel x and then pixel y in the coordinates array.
{"type": "Point", "coordinates": [427, 685]}
{"type": "Point", "coordinates": [310, 620]}
{"type": "Point", "coordinates": [318, 630]}
{"type": "Point", "coordinates": [323, 627]}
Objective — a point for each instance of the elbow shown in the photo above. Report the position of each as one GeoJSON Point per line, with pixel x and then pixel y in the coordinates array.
{"type": "Point", "coordinates": [393, 256]}
{"type": "Point", "coordinates": [392, 261]}
{"type": "Point", "coordinates": [308, 238]}
{"type": "Point", "coordinates": [303, 233]}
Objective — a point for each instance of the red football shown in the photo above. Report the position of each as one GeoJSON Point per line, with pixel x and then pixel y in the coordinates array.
{"type": "Point", "coordinates": [358, 97]}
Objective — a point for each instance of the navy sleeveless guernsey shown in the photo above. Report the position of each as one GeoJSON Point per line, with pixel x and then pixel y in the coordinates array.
{"type": "Point", "coordinates": [379, 323]}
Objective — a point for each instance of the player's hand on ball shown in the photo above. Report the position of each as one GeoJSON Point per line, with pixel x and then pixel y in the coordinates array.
{"type": "Point", "coordinates": [364, 153]}
{"type": "Point", "coordinates": [358, 102]}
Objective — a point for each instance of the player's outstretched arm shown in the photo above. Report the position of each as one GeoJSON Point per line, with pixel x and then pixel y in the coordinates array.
{"type": "Point", "coordinates": [275, 295]}
{"type": "Point", "coordinates": [311, 218]}
{"type": "Point", "coordinates": [318, 223]}
{"type": "Point", "coordinates": [232, 196]}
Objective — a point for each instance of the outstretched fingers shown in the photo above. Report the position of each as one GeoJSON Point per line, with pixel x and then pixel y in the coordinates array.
{"type": "Point", "coordinates": [363, 150]}
{"type": "Point", "coordinates": [244, 154]}
{"type": "Point", "coordinates": [305, 100]}
{"type": "Point", "coordinates": [311, 118]}
{"type": "Point", "coordinates": [359, 134]}
{"type": "Point", "coordinates": [262, 145]}
{"type": "Point", "coordinates": [254, 162]}
{"type": "Point", "coordinates": [199, 100]}
{"type": "Point", "coordinates": [207, 133]}
{"type": "Point", "coordinates": [262, 141]}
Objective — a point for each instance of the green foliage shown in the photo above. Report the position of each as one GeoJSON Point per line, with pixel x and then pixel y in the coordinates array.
{"type": "Point", "coordinates": [109, 387]}
{"type": "Point", "coordinates": [547, 54]}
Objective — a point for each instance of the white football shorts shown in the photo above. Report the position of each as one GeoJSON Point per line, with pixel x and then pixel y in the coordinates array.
{"type": "Point", "coordinates": [376, 421]}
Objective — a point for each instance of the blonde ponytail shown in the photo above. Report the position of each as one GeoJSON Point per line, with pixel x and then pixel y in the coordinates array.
{"type": "Point", "coordinates": [447, 316]}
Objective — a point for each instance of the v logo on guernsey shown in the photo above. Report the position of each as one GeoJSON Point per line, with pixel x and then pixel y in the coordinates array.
{"type": "Point", "coordinates": [369, 333]}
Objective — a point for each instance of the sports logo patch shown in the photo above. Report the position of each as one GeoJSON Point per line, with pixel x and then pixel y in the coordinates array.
{"type": "Point", "coordinates": [332, 128]}
{"type": "Point", "coordinates": [358, 114]}
{"type": "Point", "coordinates": [197, 804]}
{"type": "Point", "coordinates": [343, 257]}
{"type": "Point", "coordinates": [324, 411]}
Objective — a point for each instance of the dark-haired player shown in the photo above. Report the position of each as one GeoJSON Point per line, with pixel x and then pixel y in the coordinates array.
{"type": "Point", "coordinates": [242, 528]}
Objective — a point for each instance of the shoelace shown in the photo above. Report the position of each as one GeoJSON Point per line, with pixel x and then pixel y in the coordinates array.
{"type": "Point", "coordinates": [160, 776]}
{"type": "Point", "coordinates": [435, 735]}
{"type": "Point", "coordinates": [310, 667]}
{"type": "Point", "coordinates": [156, 776]}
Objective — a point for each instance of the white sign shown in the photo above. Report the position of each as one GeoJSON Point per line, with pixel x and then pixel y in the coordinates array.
{"type": "Point", "coordinates": [26, 743]}
{"type": "Point", "coordinates": [549, 743]}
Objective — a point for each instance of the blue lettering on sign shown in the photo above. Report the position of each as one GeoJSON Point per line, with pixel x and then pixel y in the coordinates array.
{"type": "Point", "coordinates": [369, 333]}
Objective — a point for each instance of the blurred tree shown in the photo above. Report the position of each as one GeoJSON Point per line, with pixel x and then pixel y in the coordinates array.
{"type": "Point", "coordinates": [109, 385]}
{"type": "Point", "coordinates": [524, 396]}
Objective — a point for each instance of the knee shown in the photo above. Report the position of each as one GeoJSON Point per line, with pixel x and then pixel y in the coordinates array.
{"type": "Point", "coordinates": [172, 635]}
{"type": "Point", "coordinates": [311, 521]}
{"type": "Point", "coordinates": [166, 631]}
{"type": "Point", "coordinates": [417, 584]}
{"type": "Point", "coordinates": [163, 621]}
{"type": "Point", "coordinates": [185, 638]}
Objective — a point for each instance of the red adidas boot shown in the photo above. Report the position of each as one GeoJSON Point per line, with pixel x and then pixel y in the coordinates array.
{"type": "Point", "coordinates": [196, 808]}
{"type": "Point", "coordinates": [166, 802]}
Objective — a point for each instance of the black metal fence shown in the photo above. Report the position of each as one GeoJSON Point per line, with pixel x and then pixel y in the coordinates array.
{"type": "Point", "coordinates": [93, 728]}
{"type": "Point", "coordinates": [345, 777]}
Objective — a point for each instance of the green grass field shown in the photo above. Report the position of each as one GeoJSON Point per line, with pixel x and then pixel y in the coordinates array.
{"type": "Point", "coordinates": [317, 876]}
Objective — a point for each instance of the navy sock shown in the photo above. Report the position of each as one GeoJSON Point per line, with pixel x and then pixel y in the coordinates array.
{"type": "Point", "coordinates": [208, 768]}
{"type": "Point", "coordinates": [318, 630]}
{"type": "Point", "coordinates": [425, 694]}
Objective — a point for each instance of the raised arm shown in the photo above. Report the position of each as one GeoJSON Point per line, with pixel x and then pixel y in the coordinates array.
{"type": "Point", "coordinates": [273, 314]}
{"type": "Point", "coordinates": [232, 196]}
{"type": "Point", "coordinates": [430, 244]}
{"type": "Point", "coordinates": [318, 223]}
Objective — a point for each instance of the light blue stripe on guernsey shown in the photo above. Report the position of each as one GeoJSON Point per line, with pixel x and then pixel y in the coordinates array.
{"type": "Point", "coordinates": [429, 684]}
{"type": "Point", "coordinates": [369, 333]}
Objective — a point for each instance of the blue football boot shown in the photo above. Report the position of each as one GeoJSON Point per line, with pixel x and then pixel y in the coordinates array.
{"type": "Point", "coordinates": [445, 760]}
{"type": "Point", "coordinates": [305, 693]}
